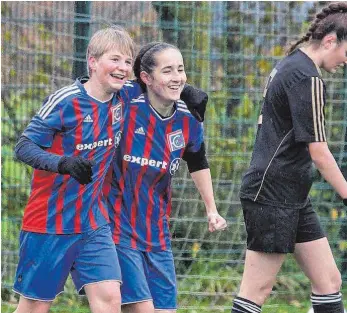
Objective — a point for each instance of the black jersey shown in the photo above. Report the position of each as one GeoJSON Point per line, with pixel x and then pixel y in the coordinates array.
{"type": "Point", "coordinates": [292, 116]}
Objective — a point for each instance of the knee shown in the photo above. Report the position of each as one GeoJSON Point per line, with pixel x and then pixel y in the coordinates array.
{"type": "Point", "coordinates": [257, 293]}
{"type": "Point", "coordinates": [111, 298]}
{"type": "Point", "coordinates": [335, 281]}
{"type": "Point", "coordinates": [331, 284]}
{"type": "Point", "coordinates": [141, 307]}
{"type": "Point", "coordinates": [32, 306]}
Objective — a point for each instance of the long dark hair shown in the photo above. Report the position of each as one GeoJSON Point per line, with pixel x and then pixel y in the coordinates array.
{"type": "Point", "coordinates": [332, 18]}
{"type": "Point", "coordinates": [145, 59]}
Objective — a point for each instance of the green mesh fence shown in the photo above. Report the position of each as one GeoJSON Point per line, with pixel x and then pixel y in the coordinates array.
{"type": "Point", "coordinates": [229, 49]}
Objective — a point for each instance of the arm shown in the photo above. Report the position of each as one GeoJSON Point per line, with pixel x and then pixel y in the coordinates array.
{"type": "Point", "coordinates": [201, 175]}
{"type": "Point", "coordinates": [32, 154]}
{"type": "Point", "coordinates": [327, 166]}
{"type": "Point", "coordinates": [203, 182]}
{"type": "Point", "coordinates": [307, 101]}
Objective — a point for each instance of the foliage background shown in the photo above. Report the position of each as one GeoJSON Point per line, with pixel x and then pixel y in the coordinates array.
{"type": "Point", "coordinates": [229, 48]}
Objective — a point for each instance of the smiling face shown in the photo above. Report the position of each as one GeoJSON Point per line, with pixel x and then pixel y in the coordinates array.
{"type": "Point", "coordinates": [111, 70]}
{"type": "Point", "coordinates": [165, 83]}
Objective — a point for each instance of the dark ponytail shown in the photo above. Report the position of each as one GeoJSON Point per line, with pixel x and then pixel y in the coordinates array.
{"type": "Point", "coordinates": [332, 18]}
{"type": "Point", "coordinates": [145, 59]}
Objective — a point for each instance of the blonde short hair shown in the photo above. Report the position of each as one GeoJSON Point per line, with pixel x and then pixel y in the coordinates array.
{"type": "Point", "coordinates": [109, 38]}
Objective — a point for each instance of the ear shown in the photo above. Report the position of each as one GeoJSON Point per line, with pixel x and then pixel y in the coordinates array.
{"type": "Point", "coordinates": [146, 78]}
{"type": "Point", "coordinates": [92, 63]}
{"type": "Point", "coordinates": [329, 41]}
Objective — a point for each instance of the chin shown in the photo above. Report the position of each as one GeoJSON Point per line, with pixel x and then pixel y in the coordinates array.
{"type": "Point", "coordinates": [330, 70]}
{"type": "Point", "coordinates": [116, 87]}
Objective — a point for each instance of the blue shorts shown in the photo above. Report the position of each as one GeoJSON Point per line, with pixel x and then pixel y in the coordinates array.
{"type": "Point", "coordinates": [148, 276]}
{"type": "Point", "coordinates": [45, 261]}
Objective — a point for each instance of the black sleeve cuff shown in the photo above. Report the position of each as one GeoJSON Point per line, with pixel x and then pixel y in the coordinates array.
{"type": "Point", "coordinates": [196, 161]}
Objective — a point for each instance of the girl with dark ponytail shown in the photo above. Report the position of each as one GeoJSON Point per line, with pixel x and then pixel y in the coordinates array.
{"type": "Point", "coordinates": [278, 214]}
{"type": "Point", "coordinates": [158, 132]}
{"type": "Point", "coordinates": [331, 19]}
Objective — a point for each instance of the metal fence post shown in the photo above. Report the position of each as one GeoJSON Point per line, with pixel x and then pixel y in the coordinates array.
{"type": "Point", "coordinates": [81, 32]}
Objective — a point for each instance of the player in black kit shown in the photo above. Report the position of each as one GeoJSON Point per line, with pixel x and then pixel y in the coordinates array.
{"type": "Point", "coordinates": [291, 136]}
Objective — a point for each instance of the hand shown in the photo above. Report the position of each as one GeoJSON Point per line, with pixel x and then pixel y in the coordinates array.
{"type": "Point", "coordinates": [195, 100]}
{"type": "Point", "coordinates": [77, 167]}
{"type": "Point", "coordinates": [216, 222]}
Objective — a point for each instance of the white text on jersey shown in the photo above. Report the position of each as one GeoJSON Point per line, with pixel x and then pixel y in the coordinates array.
{"type": "Point", "coordinates": [101, 143]}
{"type": "Point", "coordinates": [95, 144]}
{"type": "Point", "coordinates": [144, 161]}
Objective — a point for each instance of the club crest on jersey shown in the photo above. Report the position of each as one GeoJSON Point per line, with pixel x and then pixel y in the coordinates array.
{"type": "Point", "coordinates": [176, 140]}
{"type": "Point", "coordinates": [174, 165]}
{"type": "Point", "coordinates": [116, 113]}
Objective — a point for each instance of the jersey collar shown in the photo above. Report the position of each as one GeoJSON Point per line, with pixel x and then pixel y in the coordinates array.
{"type": "Point", "coordinates": [317, 67]}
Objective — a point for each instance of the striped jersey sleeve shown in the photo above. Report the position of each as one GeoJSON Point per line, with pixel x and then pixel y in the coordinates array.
{"type": "Point", "coordinates": [307, 101]}
{"type": "Point", "coordinates": [48, 119]}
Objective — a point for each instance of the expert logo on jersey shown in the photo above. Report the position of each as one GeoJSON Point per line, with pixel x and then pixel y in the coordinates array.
{"type": "Point", "coordinates": [101, 143]}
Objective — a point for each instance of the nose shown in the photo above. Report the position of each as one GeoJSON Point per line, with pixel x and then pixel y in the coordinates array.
{"type": "Point", "coordinates": [123, 66]}
{"type": "Point", "coordinates": [176, 76]}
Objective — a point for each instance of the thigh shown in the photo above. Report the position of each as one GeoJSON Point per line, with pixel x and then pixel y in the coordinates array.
{"type": "Point", "coordinates": [97, 259]}
{"type": "Point", "coordinates": [309, 227]}
{"type": "Point", "coordinates": [134, 288]}
{"type": "Point", "coordinates": [162, 279]}
{"type": "Point", "coordinates": [270, 228]}
{"type": "Point", "coordinates": [316, 260]}
{"type": "Point", "coordinates": [44, 264]}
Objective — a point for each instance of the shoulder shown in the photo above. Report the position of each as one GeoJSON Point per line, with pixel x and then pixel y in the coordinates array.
{"type": "Point", "coordinates": [182, 109]}
{"type": "Point", "coordinates": [296, 68]}
{"type": "Point", "coordinates": [60, 98]}
{"type": "Point", "coordinates": [131, 89]}
{"type": "Point", "coordinates": [139, 99]}
{"type": "Point", "coordinates": [130, 84]}
{"type": "Point", "coordinates": [184, 113]}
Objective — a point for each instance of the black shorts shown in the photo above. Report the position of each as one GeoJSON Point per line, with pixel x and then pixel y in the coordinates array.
{"type": "Point", "coordinates": [275, 229]}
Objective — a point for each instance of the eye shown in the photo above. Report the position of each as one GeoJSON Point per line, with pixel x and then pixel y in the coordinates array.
{"type": "Point", "coordinates": [129, 62]}
{"type": "Point", "coordinates": [115, 59]}
{"type": "Point", "coordinates": [181, 70]}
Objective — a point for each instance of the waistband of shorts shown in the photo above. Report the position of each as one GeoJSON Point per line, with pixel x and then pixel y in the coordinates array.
{"type": "Point", "coordinates": [280, 204]}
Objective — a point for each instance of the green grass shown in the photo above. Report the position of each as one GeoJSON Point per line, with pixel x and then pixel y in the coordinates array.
{"type": "Point", "coordinates": [293, 307]}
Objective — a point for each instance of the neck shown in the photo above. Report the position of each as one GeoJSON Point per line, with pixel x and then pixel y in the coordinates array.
{"type": "Point", "coordinates": [95, 90]}
{"type": "Point", "coordinates": [313, 53]}
{"type": "Point", "coordinates": [164, 108]}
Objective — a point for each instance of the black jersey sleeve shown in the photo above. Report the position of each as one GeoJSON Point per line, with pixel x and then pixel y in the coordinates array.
{"type": "Point", "coordinates": [196, 161]}
{"type": "Point", "coordinates": [306, 100]}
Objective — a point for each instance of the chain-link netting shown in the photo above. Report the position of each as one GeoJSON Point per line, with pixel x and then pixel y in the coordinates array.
{"type": "Point", "coordinates": [229, 49]}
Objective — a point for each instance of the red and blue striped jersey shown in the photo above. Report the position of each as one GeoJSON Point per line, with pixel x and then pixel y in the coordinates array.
{"type": "Point", "coordinates": [139, 188]}
{"type": "Point", "coordinates": [72, 123]}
